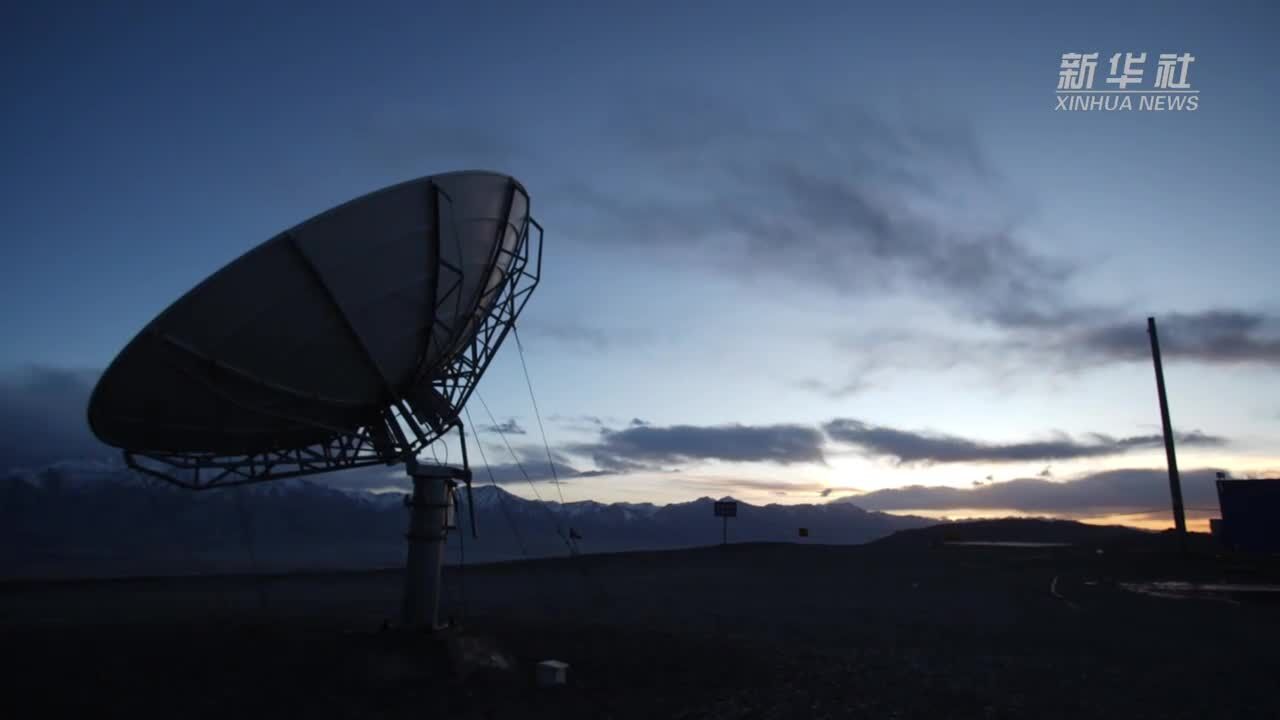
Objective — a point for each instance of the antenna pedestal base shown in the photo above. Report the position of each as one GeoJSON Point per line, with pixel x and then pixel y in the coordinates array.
{"type": "Point", "coordinates": [428, 527]}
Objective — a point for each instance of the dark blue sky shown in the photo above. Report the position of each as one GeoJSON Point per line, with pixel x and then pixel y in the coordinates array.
{"type": "Point", "coordinates": [758, 215]}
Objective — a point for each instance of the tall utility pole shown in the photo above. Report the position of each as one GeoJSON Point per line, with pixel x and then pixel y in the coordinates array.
{"type": "Point", "coordinates": [1175, 483]}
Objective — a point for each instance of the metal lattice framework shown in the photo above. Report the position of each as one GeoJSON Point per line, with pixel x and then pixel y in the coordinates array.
{"type": "Point", "coordinates": [414, 416]}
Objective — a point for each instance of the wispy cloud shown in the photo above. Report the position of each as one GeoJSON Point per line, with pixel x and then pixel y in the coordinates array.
{"type": "Point", "coordinates": [721, 485]}
{"type": "Point", "coordinates": [1212, 336]}
{"type": "Point", "coordinates": [855, 201]}
{"type": "Point", "coordinates": [835, 390]}
{"type": "Point", "coordinates": [582, 335]}
{"type": "Point", "coordinates": [858, 201]}
{"type": "Point", "coordinates": [580, 423]}
{"type": "Point", "coordinates": [507, 427]}
{"type": "Point", "coordinates": [528, 464]}
{"type": "Point", "coordinates": [847, 199]}
{"type": "Point", "coordinates": [511, 473]}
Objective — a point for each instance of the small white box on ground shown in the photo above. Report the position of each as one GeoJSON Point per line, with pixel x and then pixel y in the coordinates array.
{"type": "Point", "coordinates": [552, 673]}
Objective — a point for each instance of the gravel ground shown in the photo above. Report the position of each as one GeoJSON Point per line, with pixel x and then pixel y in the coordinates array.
{"type": "Point", "coordinates": [766, 631]}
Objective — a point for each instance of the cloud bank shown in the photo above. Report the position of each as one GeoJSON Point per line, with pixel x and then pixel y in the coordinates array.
{"type": "Point", "coordinates": [43, 418]}
{"type": "Point", "coordinates": [1114, 491]}
{"type": "Point", "coordinates": [915, 447]}
{"type": "Point", "coordinates": [643, 446]}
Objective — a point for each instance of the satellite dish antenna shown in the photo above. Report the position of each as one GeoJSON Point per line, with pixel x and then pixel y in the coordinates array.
{"type": "Point", "coordinates": [352, 339]}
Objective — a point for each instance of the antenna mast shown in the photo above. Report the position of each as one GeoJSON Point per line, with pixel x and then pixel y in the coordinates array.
{"type": "Point", "coordinates": [1175, 483]}
{"type": "Point", "coordinates": [429, 506]}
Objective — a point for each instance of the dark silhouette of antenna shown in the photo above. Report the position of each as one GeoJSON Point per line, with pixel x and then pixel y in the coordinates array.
{"type": "Point", "coordinates": [350, 340]}
{"type": "Point", "coordinates": [1175, 482]}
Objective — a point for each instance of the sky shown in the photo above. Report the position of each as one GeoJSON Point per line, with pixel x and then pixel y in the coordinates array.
{"type": "Point", "coordinates": [794, 251]}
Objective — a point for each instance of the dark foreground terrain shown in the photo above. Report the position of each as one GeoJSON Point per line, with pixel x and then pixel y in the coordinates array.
{"type": "Point", "coordinates": [891, 629]}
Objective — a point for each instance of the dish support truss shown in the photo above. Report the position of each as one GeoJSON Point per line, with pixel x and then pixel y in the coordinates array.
{"type": "Point", "coordinates": [410, 422]}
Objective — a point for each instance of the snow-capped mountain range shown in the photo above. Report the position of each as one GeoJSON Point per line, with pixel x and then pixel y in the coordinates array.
{"type": "Point", "coordinates": [61, 523]}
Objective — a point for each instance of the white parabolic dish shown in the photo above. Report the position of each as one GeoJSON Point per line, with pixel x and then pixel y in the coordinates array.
{"type": "Point", "coordinates": [318, 330]}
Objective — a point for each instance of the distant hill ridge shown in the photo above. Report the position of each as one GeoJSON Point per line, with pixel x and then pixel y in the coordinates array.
{"type": "Point", "coordinates": [1015, 530]}
{"type": "Point", "coordinates": [111, 523]}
